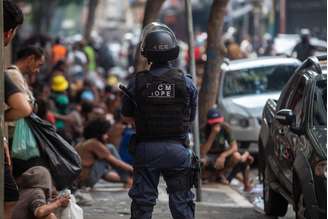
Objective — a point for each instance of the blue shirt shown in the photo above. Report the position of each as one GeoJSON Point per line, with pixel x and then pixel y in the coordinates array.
{"type": "Point", "coordinates": [129, 108]}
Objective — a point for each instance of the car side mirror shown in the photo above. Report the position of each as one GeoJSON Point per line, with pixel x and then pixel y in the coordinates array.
{"type": "Point", "coordinates": [286, 117]}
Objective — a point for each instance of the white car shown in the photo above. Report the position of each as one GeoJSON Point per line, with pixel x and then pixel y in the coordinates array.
{"type": "Point", "coordinates": [245, 86]}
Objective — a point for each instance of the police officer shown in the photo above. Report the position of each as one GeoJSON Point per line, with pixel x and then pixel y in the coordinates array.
{"type": "Point", "coordinates": [163, 107]}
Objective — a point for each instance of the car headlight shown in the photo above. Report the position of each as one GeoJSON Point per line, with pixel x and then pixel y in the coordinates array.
{"type": "Point", "coordinates": [238, 121]}
{"type": "Point", "coordinates": [320, 169]}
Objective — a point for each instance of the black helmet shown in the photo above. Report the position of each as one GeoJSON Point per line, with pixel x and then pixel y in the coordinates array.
{"type": "Point", "coordinates": [158, 43]}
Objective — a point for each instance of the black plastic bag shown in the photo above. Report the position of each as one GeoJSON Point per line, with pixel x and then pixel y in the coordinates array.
{"type": "Point", "coordinates": [63, 160]}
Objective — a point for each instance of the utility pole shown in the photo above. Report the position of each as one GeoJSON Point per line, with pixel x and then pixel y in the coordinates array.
{"type": "Point", "coordinates": [1, 113]}
{"type": "Point", "coordinates": [282, 5]}
{"type": "Point", "coordinates": [192, 69]}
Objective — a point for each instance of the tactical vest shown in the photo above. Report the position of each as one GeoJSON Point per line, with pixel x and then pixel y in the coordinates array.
{"type": "Point", "coordinates": [162, 101]}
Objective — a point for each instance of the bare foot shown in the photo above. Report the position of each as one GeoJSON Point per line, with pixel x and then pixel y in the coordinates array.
{"type": "Point", "coordinates": [223, 180]}
{"type": "Point", "coordinates": [248, 187]}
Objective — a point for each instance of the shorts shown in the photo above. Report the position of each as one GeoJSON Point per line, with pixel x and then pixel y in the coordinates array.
{"type": "Point", "coordinates": [211, 159]}
{"type": "Point", "coordinates": [98, 170]}
{"type": "Point", "coordinates": [11, 189]}
{"type": "Point", "coordinates": [102, 167]}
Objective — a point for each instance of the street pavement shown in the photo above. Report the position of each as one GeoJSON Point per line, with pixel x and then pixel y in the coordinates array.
{"type": "Point", "coordinates": [111, 201]}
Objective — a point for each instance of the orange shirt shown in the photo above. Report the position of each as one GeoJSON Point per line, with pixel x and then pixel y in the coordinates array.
{"type": "Point", "coordinates": [58, 53]}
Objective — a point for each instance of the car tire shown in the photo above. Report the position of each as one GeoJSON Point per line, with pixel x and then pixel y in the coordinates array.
{"type": "Point", "coordinates": [274, 203]}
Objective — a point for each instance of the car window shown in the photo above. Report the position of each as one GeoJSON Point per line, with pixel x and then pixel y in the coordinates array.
{"type": "Point", "coordinates": [295, 101]}
{"type": "Point", "coordinates": [287, 91]}
{"type": "Point", "coordinates": [256, 80]}
{"type": "Point", "coordinates": [320, 104]}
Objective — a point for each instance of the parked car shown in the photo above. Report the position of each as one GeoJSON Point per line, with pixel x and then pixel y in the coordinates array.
{"type": "Point", "coordinates": [293, 144]}
{"type": "Point", "coordinates": [245, 86]}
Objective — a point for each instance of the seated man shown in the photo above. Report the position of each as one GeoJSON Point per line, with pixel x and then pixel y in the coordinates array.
{"type": "Point", "coordinates": [35, 196]}
{"type": "Point", "coordinates": [98, 160]}
{"type": "Point", "coordinates": [220, 157]}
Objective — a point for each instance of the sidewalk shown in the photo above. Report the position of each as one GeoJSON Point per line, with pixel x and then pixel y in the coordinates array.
{"type": "Point", "coordinates": [219, 201]}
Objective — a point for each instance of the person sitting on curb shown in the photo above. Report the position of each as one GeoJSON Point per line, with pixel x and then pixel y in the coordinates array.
{"type": "Point", "coordinates": [35, 196]}
{"type": "Point", "coordinates": [98, 160]}
{"type": "Point", "coordinates": [219, 156]}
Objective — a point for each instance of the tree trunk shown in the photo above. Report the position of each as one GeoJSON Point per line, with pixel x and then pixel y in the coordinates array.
{"type": "Point", "coordinates": [215, 52]}
{"type": "Point", "coordinates": [42, 17]}
{"type": "Point", "coordinates": [37, 16]}
{"type": "Point", "coordinates": [49, 14]}
{"type": "Point", "coordinates": [92, 6]}
{"type": "Point", "coordinates": [152, 10]}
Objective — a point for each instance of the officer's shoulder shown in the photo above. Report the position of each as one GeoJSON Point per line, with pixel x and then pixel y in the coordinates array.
{"type": "Point", "coordinates": [134, 74]}
{"type": "Point", "coordinates": [132, 77]}
{"type": "Point", "coordinates": [189, 76]}
{"type": "Point", "coordinates": [184, 73]}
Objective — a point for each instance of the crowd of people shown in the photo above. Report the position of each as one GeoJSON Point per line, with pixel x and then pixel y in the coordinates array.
{"type": "Point", "coordinates": [62, 85]}
{"type": "Point", "coordinates": [71, 86]}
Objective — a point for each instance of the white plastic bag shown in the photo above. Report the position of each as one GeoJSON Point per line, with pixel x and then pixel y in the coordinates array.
{"type": "Point", "coordinates": [72, 211]}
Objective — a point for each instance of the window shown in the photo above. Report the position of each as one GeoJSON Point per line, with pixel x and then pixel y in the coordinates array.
{"type": "Point", "coordinates": [288, 90]}
{"type": "Point", "coordinates": [320, 104]}
{"type": "Point", "coordinates": [295, 101]}
{"type": "Point", "coordinates": [256, 80]}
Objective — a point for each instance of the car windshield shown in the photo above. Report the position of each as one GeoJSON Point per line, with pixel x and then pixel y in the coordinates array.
{"type": "Point", "coordinates": [256, 80]}
{"type": "Point", "coordinates": [320, 104]}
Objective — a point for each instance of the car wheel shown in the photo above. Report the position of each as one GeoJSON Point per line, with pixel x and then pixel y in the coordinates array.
{"type": "Point", "coordinates": [274, 203]}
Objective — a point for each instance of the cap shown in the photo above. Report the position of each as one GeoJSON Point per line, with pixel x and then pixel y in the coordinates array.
{"type": "Point", "coordinates": [214, 116]}
{"type": "Point", "coordinates": [87, 95]}
{"type": "Point", "coordinates": [112, 80]}
{"type": "Point", "coordinates": [62, 100]}
{"type": "Point", "coordinates": [59, 83]}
